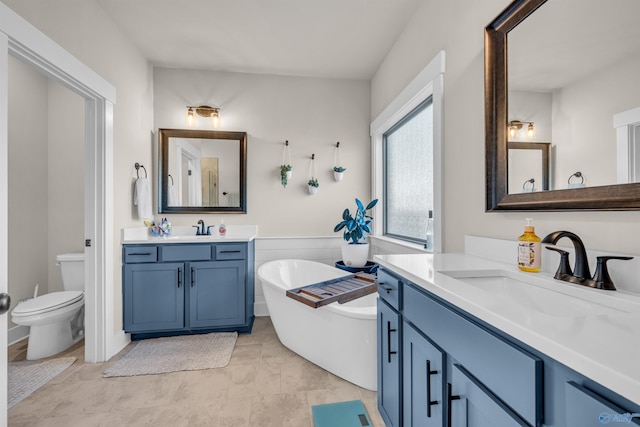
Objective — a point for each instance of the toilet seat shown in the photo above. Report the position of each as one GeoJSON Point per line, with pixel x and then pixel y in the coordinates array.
{"type": "Point", "coordinates": [47, 302]}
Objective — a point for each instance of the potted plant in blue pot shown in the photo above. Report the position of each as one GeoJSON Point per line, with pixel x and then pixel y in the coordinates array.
{"type": "Point", "coordinates": [356, 251]}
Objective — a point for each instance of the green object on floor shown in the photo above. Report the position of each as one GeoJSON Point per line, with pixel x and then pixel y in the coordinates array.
{"type": "Point", "coordinates": [341, 414]}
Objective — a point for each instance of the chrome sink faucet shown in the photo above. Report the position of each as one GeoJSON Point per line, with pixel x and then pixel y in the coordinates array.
{"type": "Point", "coordinates": [581, 274]}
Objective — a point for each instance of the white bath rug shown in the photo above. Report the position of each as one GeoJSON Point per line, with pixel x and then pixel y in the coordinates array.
{"type": "Point", "coordinates": [171, 354]}
{"type": "Point", "coordinates": [26, 377]}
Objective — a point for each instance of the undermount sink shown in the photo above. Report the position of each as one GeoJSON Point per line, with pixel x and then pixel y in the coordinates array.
{"type": "Point", "coordinates": [520, 293]}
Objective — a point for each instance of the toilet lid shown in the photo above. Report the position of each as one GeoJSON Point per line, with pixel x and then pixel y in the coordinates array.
{"type": "Point", "coordinates": [47, 302]}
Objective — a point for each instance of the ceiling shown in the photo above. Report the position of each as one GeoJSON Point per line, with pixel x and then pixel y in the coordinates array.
{"type": "Point", "coordinates": [317, 38]}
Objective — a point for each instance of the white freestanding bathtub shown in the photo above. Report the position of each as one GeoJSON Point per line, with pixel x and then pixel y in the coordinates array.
{"type": "Point", "coordinates": [340, 338]}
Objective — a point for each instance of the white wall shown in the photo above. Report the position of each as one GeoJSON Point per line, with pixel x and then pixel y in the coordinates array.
{"type": "Point", "coordinates": [313, 114]}
{"type": "Point", "coordinates": [583, 122]}
{"type": "Point", "coordinates": [457, 26]}
{"type": "Point", "coordinates": [65, 213]}
{"type": "Point", "coordinates": [45, 179]}
{"type": "Point", "coordinates": [83, 29]}
{"type": "Point", "coordinates": [28, 173]}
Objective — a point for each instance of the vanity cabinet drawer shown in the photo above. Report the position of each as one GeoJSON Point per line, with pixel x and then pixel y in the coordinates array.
{"type": "Point", "coordinates": [186, 252]}
{"type": "Point", "coordinates": [137, 254]}
{"type": "Point", "coordinates": [389, 288]}
{"type": "Point", "coordinates": [230, 251]}
{"type": "Point", "coordinates": [587, 408]}
{"type": "Point", "coordinates": [510, 373]}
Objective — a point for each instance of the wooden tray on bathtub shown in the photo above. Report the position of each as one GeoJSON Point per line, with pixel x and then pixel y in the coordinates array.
{"type": "Point", "coordinates": [343, 289]}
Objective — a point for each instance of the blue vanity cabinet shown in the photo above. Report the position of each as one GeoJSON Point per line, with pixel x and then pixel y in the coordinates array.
{"type": "Point", "coordinates": [389, 374]}
{"type": "Point", "coordinates": [389, 354]}
{"type": "Point", "coordinates": [476, 374]}
{"type": "Point", "coordinates": [172, 289]}
{"type": "Point", "coordinates": [153, 298]}
{"type": "Point", "coordinates": [216, 299]}
{"type": "Point", "coordinates": [471, 404]}
{"type": "Point", "coordinates": [453, 372]}
{"type": "Point", "coordinates": [423, 379]}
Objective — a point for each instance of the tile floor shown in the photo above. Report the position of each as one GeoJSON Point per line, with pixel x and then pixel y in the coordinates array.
{"type": "Point", "coordinates": [264, 385]}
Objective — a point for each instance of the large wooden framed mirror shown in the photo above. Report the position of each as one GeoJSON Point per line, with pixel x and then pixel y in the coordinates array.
{"type": "Point", "coordinates": [570, 67]}
{"type": "Point", "coordinates": [202, 171]}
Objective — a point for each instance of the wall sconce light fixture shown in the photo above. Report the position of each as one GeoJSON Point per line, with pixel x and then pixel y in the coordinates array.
{"type": "Point", "coordinates": [516, 125]}
{"type": "Point", "coordinates": [203, 111]}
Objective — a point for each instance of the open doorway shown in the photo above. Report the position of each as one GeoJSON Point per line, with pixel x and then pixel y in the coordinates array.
{"type": "Point", "coordinates": [46, 183]}
{"type": "Point", "coordinates": [21, 40]}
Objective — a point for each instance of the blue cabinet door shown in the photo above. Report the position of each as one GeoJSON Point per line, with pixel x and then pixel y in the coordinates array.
{"type": "Point", "coordinates": [422, 380]}
{"type": "Point", "coordinates": [153, 297]}
{"type": "Point", "coordinates": [471, 404]}
{"type": "Point", "coordinates": [389, 353]}
{"type": "Point", "coordinates": [217, 293]}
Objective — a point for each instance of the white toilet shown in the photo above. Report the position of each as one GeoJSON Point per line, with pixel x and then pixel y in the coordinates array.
{"type": "Point", "coordinates": [56, 319]}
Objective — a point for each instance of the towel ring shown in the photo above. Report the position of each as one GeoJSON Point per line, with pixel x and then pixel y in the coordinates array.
{"type": "Point", "coordinates": [531, 187]}
{"type": "Point", "coordinates": [577, 175]}
{"type": "Point", "coordinates": [138, 166]}
{"type": "Point", "coordinates": [169, 175]}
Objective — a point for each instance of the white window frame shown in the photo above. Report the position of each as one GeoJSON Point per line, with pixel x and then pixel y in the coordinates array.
{"type": "Point", "coordinates": [429, 82]}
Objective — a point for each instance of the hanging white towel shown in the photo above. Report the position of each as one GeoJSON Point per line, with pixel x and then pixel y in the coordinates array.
{"type": "Point", "coordinates": [172, 198]}
{"type": "Point", "coordinates": [142, 198]}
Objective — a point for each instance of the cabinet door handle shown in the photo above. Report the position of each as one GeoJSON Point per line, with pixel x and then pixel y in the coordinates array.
{"type": "Point", "coordinates": [386, 288]}
{"type": "Point", "coordinates": [429, 401]}
{"type": "Point", "coordinates": [450, 398]}
{"type": "Point", "coordinates": [389, 330]}
{"type": "Point", "coordinates": [140, 253]}
{"type": "Point", "coordinates": [230, 252]}
{"type": "Point", "coordinates": [193, 273]}
{"type": "Point", "coordinates": [179, 276]}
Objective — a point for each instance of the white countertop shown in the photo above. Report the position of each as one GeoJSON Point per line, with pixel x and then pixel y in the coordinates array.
{"type": "Point", "coordinates": [592, 331]}
{"type": "Point", "coordinates": [187, 234]}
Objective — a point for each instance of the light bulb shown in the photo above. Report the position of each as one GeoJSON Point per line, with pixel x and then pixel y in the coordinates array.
{"type": "Point", "coordinates": [513, 131]}
{"type": "Point", "coordinates": [190, 119]}
{"type": "Point", "coordinates": [215, 119]}
{"type": "Point", "coordinates": [531, 131]}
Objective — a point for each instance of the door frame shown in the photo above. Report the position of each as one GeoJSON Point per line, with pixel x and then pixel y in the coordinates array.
{"type": "Point", "coordinates": [22, 40]}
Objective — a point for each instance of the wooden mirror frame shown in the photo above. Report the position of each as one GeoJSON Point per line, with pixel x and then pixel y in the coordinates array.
{"type": "Point", "coordinates": [163, 183]}
{"type": "Point", "coordinates": [608, 197]}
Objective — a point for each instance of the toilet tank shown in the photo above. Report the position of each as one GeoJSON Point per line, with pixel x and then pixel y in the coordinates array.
{"type": "Point", "coordinates": [72, 270]}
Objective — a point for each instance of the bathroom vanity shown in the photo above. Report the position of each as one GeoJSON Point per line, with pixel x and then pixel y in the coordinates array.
{"type": "Point", "coordinates": [185, 284]}
{"type": "Point", "coordinates": [465, 341]}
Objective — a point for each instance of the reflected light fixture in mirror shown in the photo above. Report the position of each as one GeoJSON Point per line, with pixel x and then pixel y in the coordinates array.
{"type": "Point", "coordinates": [203, 111]}
{"type": "Point", "coordinates": [516, 125]}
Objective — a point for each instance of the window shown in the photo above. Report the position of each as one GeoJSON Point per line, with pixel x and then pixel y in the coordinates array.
{"type": "Point", "coordinates": [408, 175]}
{"type": "Point", "coordinates": [407, 161]}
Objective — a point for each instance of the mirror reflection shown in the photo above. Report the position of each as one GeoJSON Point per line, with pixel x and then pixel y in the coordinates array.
{"type": "Point", "coordinates": [572, 72]}
{"type": "Point", "coordinates": [202, 171]}
{"type": "Point", "coordinates": [528, 166]}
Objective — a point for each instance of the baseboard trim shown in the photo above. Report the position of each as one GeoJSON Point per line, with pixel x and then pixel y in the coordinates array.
{"type": "Point", "coordinates": [17, 333]}
{"type": "Point", "coordinates": [260, 309]}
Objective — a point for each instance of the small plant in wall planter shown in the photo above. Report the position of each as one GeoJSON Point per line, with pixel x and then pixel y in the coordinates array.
{"type": "Point", "coordinates": [338, 171]}
{"type": "Point", "coordinates": [285, 166]}
{"type": "Point", "coordinates": [313, 185]}
{"type": "Point", "coordinates": [285, 174]}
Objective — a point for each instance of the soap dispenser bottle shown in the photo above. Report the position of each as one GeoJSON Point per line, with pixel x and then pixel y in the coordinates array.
{"type": "Point", "coordinates": [529, 249]}
{"type": "Point", "coordinates": [222, 229]}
